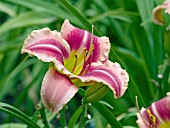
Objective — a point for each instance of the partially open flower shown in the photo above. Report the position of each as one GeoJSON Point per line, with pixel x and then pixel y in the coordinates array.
{"type": "Point", "coordinates": [79, 59]}
{"type": "Point", "coordinates": [157, 12]}
{"type": "Point", "coordinates": [155, 116]}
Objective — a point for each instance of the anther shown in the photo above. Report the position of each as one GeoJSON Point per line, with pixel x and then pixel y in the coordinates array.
{"type": "Point", "coordinates": [86, 53]}
{"type": "Point", "coordinates": [152, 118]}
{"type": "Point", "coordinates": [93, 46]}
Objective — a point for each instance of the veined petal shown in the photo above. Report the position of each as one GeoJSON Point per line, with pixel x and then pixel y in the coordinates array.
{"type": "Point", "coordinates": [80, 40]}
{"type": "Point", "coordinates": [157, 115]}
{"type": "Point", "coordinates": [110, 74]}
{"type": "Point", "coordinates": [56, 90]}
{"type": "Point", "coordinates": [47, 45]}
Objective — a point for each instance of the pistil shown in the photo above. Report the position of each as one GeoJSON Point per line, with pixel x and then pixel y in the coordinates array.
{"type": "Point", "coordinates": [75, 64]}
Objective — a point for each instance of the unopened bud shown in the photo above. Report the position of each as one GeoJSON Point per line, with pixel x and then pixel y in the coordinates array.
{"type": "Point", "coordinates": [95, 93]}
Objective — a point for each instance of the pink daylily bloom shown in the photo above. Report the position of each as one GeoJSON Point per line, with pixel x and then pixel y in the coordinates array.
{"type": "Point", "coordinates": [155, 116]}
{"type": "Point", "coordinates": [79, 59]}
{"type": "Point", "coordinates": [157, 12]}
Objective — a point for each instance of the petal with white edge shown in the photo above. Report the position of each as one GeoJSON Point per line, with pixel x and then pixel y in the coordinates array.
{"type": "Point", "coordinates": [46, 45]}
{"type": "Point", "coordinates": [108, 73]}
{"type": "Point", "coordinates": [79, 40]}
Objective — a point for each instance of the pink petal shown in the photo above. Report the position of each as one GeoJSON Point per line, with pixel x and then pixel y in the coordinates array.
{"type": "Point", "coordinates": [79, 39]}
{"type": "Point", "coordinates": [160, 110]}
{"type": "Point", "coordinates": [141, 123]}
{"type": "Point", "coordinates": [47, 45]}
{"type": "Point", "coordinates": [110, 74]}
{"type": "Point", "coordinates": [166, 4]}
{"type": "Point", "coordinates": [56, 90]}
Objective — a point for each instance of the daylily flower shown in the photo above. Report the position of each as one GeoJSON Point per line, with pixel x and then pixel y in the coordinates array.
{"type": "Point", "coordinates": [157, 12]}
{"type": "Point", "coordinates": [79, 58]}
{"type": "Point", "coordinates": [155, 116]}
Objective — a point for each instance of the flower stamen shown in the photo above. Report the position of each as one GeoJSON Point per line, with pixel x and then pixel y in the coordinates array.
{"type": "Point", "coordinates": [88, 54]}
{"type": "Point", "coordinates": [91, 55]}
{"type": "Point", "coordinates": [152, 118]}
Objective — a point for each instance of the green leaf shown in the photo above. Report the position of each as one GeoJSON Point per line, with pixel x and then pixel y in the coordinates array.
{"type": "Point", "coordinates": [44, 7]}
{"type": "Point", "coordinates": [75, 117]}
{"type": "Point", "coordinates": [40, 6]}
{"type": "Point", "coordinates": [118, 14]}
{"type": "Point", "coordinates": [6, 9]}
{"type": "Point", "coordinates": [12, 111]}
{"type": "Point", "coordinates": [13, 73]}
{"type": "Point", "coordinates": [26, 19]}
{"type": "Point", "coordinates": [12, 125]}
{"type": "Point", "coordinates": [107, 115]}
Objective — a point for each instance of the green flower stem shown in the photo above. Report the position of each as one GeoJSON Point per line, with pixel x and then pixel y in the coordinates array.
{"type": "Point", "coordinates": [43, 115]}
{"type": "Point", "coordinates": [62, 118]}
{"type": "Point", "coordinates": [104, 111]}
{"type": "Point", "coordinates": [107, 115]}
{"type": "Point", "coordinates": [35, 117]}
{"type": "Point", "coordinates": [83, 117]}
{"type": "Point", "coordinates": [164, 77]}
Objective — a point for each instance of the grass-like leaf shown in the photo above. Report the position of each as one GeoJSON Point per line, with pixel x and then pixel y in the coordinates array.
{"type": "Point", "coordinates": [12, 125]}
{"type": "Point", "coordinates": [107, 115]}
{"type": "Point", "coordinates": [12, 111]}
{"type": "Point", "coordinates": [26, 19]}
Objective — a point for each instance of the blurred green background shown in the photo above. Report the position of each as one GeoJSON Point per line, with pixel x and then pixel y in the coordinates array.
{"type": "Point", "coordinates": [136, 43]}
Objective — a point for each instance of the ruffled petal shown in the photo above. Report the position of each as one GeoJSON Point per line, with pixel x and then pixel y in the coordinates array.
{"type": "Point", "coordinates": [56, 90]}
{"type": "Point", "coordinates": [80, 40]}
{"type": "Point", "coordinates": [157, 115]}
{"type": "Point", "coordinates": [109, 73]}
{"type": "Point", "coordinates": [47, 45]}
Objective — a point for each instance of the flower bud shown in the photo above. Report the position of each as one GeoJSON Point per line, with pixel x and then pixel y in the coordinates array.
{"type": "Point", "coordinates": [95, 93]}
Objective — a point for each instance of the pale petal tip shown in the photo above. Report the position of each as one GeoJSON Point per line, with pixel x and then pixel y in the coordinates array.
{"type": "Point", "coordinates": [104, 48]}
{"type": "Point", "coordinates": [66, 28]}
{"type": "Point", "coordinates": [140, 122]}
{"type": "Point", "coordinates": [123, 77]}
{"type": "Point", "coordinates": [36, 35]}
